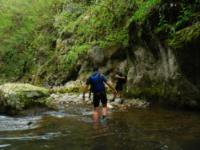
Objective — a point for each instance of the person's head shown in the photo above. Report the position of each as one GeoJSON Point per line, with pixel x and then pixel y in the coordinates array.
{"type": "Point", "coordinates": [95, 68]}
{"type": "Point", "coordinates": [119, 73]}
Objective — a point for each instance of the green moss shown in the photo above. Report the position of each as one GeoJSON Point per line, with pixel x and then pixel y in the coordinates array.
{"type": "Point", "coordinates": [148, 92]}
{"type": "Point", "coordinates": [19, 96]}
{"type": "Point", "coordinates": [185, 36]}
{"type": "Point", "coordinates": [71, 87]}
{"type": "Point", "coordinates": [67, 90]}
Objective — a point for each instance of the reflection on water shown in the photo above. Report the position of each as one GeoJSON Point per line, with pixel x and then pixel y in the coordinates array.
{"type": "Point", "coordinates": [4, 145]}
{"type": "Point", "coordinates": [150, 129]}
{"type": "Point", "coordinates": [45, 136]}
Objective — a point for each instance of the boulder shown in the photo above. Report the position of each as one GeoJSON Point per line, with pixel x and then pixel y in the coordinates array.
{"type": "Point", "coordinates": [69, 87]}
{"type": "Point", "coordinates": [96, 55]}
{"type": "Point", "coordinates": [15, 97]}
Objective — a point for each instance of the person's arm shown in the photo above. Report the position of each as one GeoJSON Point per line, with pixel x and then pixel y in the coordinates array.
{"type": "Point", "coordinates": [120, 77]}
{"type": "Point", "coordinates": [85, 90]}
{"type": "Point", "coordinates": [86, 87]}
{"type": "Point", "coordinates": [109, 85]}
{"type": "Point", "coordinates": [112, 88]}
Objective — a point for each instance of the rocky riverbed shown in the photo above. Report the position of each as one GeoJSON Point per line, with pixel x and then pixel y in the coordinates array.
{"type": "Point", "coordinates": [64, 100]}
{"type": "Point", "coordinates": [70, 93]}
{"type": "Point", "coordinates": [17, 97]}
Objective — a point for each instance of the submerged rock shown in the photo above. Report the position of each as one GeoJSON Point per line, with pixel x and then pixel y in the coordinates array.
{"type": "Point", "coordinates": [15, 97]}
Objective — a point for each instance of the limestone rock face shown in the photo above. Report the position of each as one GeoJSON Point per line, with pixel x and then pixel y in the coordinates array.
{"type": "Point", "coordinates": [161, 79]}
{"type": "Point", "coordinates": [96, 55]}
{"type": "Point", "coordinates": [165, 68]}
{"type": "Point", "coordinates": [17, 96]}
{"type": "Point", "coordinates": [107, 59]}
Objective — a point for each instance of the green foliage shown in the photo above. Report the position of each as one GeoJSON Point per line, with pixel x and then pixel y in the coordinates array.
{"type": "Point", "coordinates": [185, 15]}
{"type": "Point", "coordinates": [72, 10]}
{"type": "Point", "coordinates": [28, 29]}
{"type": "Point", "coordinates": [188, 14]}
{"type": "Point", "coordinates": [46, 38]}
{"type": "Point", "coordinates": [75, 52]}
{"type": "Point", "coordinates": [184, 36]}
{"type": "Point", "coordinates": [98, 23]}
{"type": "Point", "coordinates": [104, 21]}
{"type": "Point", "coordinates": [116, 38]}
{"type": "Point", "coordinates": [21, 24]}
{"type": "Point", "coordinates": [144, 8]}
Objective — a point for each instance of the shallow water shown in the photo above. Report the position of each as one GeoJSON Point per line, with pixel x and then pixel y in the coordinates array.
{"type": "Point", "coordinates": [145, 129]}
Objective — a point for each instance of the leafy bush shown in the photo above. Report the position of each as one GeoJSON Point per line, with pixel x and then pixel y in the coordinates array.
{"type": "Point", "coordinates": [22, 26]}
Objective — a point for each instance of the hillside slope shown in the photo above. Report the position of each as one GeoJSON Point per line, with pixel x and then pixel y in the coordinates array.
{"type": "Point", "coordinates": [154, 42]}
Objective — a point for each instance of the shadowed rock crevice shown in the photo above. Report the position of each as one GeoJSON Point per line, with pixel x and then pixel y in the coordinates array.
{"type": "Point", "coordinates": [190, 62]}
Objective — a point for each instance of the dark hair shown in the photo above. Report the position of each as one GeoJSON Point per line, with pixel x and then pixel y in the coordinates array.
{"type": "Point", "coordinates": [119, 73]}
{"type": "Point", "coordinates": [95, 68]}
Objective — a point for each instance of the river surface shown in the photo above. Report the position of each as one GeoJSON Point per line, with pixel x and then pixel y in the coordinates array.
{"type": "Point", "coordinates": [73, 129]}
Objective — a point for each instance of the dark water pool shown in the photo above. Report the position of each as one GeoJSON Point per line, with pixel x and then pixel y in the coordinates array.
{"type": "Point", "coordinates": [150, 129]}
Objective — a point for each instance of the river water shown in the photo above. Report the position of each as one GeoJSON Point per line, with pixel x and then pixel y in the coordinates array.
{"type": "Point", "coordinates": [73, 129]}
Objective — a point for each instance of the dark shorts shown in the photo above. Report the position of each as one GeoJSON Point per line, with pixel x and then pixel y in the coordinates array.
{"type": "Point", "coordinates": [100, 97]}
{"type": "Point", "coordinates": [119, 87]}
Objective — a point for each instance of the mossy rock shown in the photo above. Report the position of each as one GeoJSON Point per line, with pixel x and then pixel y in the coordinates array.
{"type": "Point", "coordinates": [70, 87]}
{"type": "Point", "coordinates": [185, 36]}
{"type": "Point", "coordinates": [16, 97]}
{"type": "Point", "coordinates": [178, 93]}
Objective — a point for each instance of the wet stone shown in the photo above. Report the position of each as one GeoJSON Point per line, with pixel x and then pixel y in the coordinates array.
{"type": "Point", "coordinates": [64, 100]}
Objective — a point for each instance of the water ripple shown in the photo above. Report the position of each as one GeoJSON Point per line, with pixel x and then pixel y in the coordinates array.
{"type": "Point", "coordinates": [14, 124]}
{"type": "Point", "coordinates": [4, 145]}
{"type": "Point", "coordinates": [45, 136]}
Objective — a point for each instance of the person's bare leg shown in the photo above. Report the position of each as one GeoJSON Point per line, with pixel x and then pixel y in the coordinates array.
{"type": "Point", "coordinates": [114, 97]}
{"type": "Point", "coordinates": [90, 93]}
{"type": "Point", "coordinates": [105, 111]}
{"type": "Point", "coordinates": [96, 115]}
{"type": "Point", "coordinates": [121, 97]}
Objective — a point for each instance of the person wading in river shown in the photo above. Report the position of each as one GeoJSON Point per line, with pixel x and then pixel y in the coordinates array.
{"type": "Point", "coordinates": [121, 80]}
{"type": "Point", "coordinates": [97, 82]}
